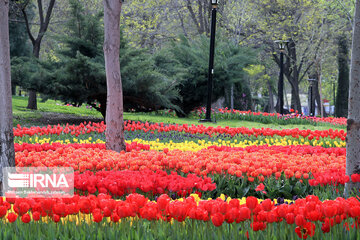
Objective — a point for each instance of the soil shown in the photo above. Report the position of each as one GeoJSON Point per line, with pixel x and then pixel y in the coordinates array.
{"type": "Point", "coordinates": [50, 118]}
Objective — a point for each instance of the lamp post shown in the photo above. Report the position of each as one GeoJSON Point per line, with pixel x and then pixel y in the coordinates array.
{"type": "Point", "coordinates": [312, 83]}
{"type": "Point", "coordinates": [282, 44]}
{"type": "Point", "coordinates": [214, 4]}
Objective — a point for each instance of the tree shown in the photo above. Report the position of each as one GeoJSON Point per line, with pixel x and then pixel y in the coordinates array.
{"type": "Point", "coordinates": [186, 60]}
{"type": "Point", "coordinates": [19, 44]}
{"type": "Point", "coordinates": [79, 67]}
{"type": "Point", "coordinates": [341, 105]}
{"type": "Point", "coordinates": [7, 152]}
{"type": "Point", "coordinates": [36, 41]}
{"type": "Point", "coordinates": [353, 122]}
{"type": "Point", "coordinates": [303, 23]}
{"type": "Point", "coordinates": [114, 111]}
{"type": "Point", "coordinates": [261, 83]}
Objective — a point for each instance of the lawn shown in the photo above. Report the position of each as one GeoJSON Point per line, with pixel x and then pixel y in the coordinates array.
{"type": "Point", "coordinates": [54, 109]}
{"type": "Point", "coordinates": [27, 117]}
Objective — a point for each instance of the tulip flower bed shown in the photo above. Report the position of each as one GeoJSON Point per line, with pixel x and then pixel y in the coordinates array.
{"type": "Point", "coordinates": [236, 171]}
{"type": "Point", "coordinates": [161, 127]}
{"type": "Point", "coordinates": [161, 136]}
{"type": "Point", "coordinates": [302, 218]}
{"type": "Point", "coordinates": [119, 183]}
{"type": "Point", "coordinates": [180, 181]}
{"type": "Point", "coordinates": [274, 118]}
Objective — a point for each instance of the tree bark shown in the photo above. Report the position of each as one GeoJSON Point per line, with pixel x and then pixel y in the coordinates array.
{"type": "Point", "coordinates": [13, 89]}
{"type": "Point", "coordinates": [318, 99]}
{"type": "Point", "coordinates": [295, 97]}
{"type": "Point", "coordinates": [271, 98]}
{"type": "Point", "coordinates": [7, 153]}
{"type": "Point", "coordinates": [32, 101]}
{"type": "Point", "coordinates": [293, 76]}
{"type": "Point", "coordinates": [353, 122]}
{"type": "Point", "coordinates": [316, 91]}
{"type": "Point", "coordinates": [319, 94]}
{"type": "Point", "coordinates": [232, 97]}
{"type": "Point", "coordinates": [342, 96]}
{"type": "Point", "coordinates": [114, 108]}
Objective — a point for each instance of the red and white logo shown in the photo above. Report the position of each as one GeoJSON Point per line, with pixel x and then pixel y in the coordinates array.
{"type": "Point", "coordinates": [31, 180]}
{"type": "Point", "coordinates": [38, 182]}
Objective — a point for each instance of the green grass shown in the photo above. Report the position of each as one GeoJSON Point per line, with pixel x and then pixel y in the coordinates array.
{"type": "Point", "coordinates": [143, 229]}
{"type": "Point", "coordinates": [26, 117]}
{"type": "Point", "coordinates": [20, 103]}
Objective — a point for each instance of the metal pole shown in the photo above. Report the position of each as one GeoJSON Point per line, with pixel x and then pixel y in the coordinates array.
{"type": "Point", "coordinates": [211, 64]}
{"type": "Point", "coordinates": [281, 83]}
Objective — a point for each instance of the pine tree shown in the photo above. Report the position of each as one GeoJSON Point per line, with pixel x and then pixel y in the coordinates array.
{"type": "Point", "coordinates": [78, 76]}
{"type": "Point", "coordinates": [188, 61]}
{"type": "Point", "coordinates": [19, 40]}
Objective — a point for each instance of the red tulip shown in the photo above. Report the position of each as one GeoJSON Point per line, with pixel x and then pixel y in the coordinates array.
{"type": "Point", "coordinates": [251, 202]}
{"type": "Point", "coordinates": [3, 211]}
{"type": "Point", "coordinates": [217, 219]}
{"type": "Point", "coordinates": [25, 218]}
{"type": "Point", "coordinates": [36, 216]}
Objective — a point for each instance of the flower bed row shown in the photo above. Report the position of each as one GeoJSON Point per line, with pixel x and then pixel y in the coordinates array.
{"type": "Point", "coordinates": [55, 146]}
{"type": "Point", "coordinates": [303, 213]}
{"type": "Point", "coordinates": [193, 129]}
{"type": "Point", "coordinates": [272, 117]}
{"type": "Point", "coordinates": [119, 183]}
{"type": "Point", "coordinates": [186, 144]}
{"type": "Point", "coordinates": [256, 162]}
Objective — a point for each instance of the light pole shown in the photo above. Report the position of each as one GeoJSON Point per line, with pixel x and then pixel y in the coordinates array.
{"type": "Point", "coordinates": [282, 44]}
{"type": "Point", "coordinates": [312, 83]}
{"type": "Point", "coordinates": [214, 4]}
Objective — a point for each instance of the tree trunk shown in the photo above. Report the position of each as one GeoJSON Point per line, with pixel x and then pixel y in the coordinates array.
{"type": "Point", "coordinates": [316, 91]}
{"type": "Point", "coordinates": [286, 98]}
{"type": "Point", "coordinates": [295, 98]}
{"type": "Point", "coordinates": [114, 107]}
{"type": "Point", "coordinates": [318, 100]}
{"type": "Point", "coordinates": [7, 153]}
{"type": "Point", "coordinates": [271, 98]}
{"type": "Point", "coordinates": [291, 71]}
{"type": "Point", "coordinates": [32, 102]}
{"type": "Point", "coordinates": [232, 97]}
{"type": "Point", "coordinates": [319, 94]}
{"type": "Point", "coordinates": [341, 105]}
{"type": "Point", "coordinates": [13, 89]}
{"type": "Point", "coordinates": [353, 122]}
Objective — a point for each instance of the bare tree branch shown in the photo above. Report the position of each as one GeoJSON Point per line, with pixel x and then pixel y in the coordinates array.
{"type": "Point", "coordinates": [348, 15]}
{"type": "Point", "coordinates": [48, 16]}
{"type": "Point", "coordinates": [28, 27]}
{"type": "Point", "coordinates": [193, 16]}
{"type": "Point", "coordinates": [33, 23]}
{"type": "Point", "coordinates": [41, 13]}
